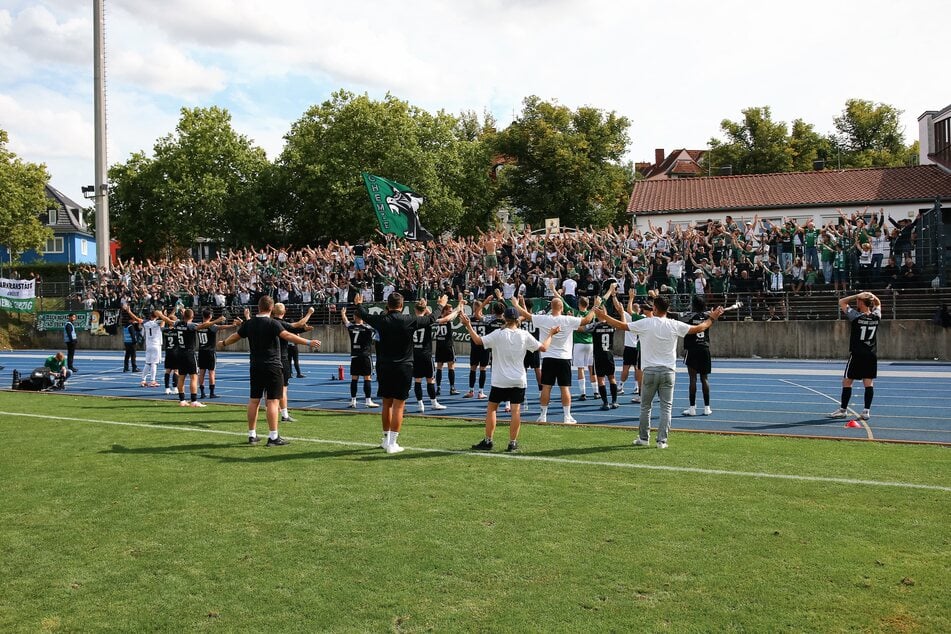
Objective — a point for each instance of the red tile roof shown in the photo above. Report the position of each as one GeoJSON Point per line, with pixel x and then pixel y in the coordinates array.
{"type": "Point", "coordinates": [791, 189]}
{"type": "Point", "coordinates": [664, 167]}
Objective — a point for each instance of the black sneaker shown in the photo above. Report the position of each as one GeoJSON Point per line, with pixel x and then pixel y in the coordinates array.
{"type": "Point", "coordinates": [136, 370]}
{"type": "Point", "coordinates": [74, 370]}
{"type": "Point", "coordinates": [453, 391]}
{"type": "Point", "coordinates": [125, 369]}
{"type": "Point", "coordinates": [215, 396]}
{"type": "Point", "coordinates": [513, 446]}
{"type": "Point", "coordinates": [276, 442]}
{"type": "Point", "coordinates": [583, 397]}
{"type": "Point", "coordinates": [300, 376]}
{"type": "Point", "coordinates": [253, 440]}
{"type": "Point", "coordinates": [483, 445]}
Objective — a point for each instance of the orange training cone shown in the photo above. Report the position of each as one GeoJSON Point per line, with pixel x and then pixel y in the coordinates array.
{"type": "Point", "coordinates": [853, 423]}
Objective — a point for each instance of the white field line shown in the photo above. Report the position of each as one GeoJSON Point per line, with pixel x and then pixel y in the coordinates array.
{"type": "Point", "coordinates": [523, 457]}
{"type": "Point", "coordinates": [868, 430]}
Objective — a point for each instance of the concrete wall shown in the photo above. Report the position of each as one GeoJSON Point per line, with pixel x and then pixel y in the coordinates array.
{"type": "Point", "coordinates": [900, 339]}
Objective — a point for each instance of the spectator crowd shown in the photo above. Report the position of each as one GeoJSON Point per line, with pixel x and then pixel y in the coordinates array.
{"type": "Point", "coordinates": [749, 258]}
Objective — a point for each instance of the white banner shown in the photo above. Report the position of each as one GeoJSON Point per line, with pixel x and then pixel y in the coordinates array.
{"type": "Point", "coordinates": [17, 289]}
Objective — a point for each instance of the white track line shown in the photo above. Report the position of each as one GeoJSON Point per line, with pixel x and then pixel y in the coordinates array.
{"type": "Point", "coordinates": [504, 456]}
{"type": "Point", "coordinates": [868, 430]}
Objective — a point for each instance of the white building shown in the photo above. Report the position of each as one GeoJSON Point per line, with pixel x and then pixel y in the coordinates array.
{"type": "Point", "coordinates": [934, 138]}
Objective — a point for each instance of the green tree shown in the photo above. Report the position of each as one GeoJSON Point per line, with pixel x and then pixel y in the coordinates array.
{"type": "Point", "coordinates": [204, 180]}
{"type": "Point", "coordinates": [754, 145]}
{"type": "Point", "coordinates": [438, 155]}
{"type": "Point", "coordinates": [869, 135]}
{"type": "Point", "coordinates": [806, 145]}
{"type": "Point", "coordinates": [22, 203]}
{"type": "Point", "coordinates": [565, 164]}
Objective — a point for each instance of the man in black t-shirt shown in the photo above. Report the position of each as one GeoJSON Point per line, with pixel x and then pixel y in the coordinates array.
{"type": "Point", "coordinates": [267, 372]}
{"type": "Point", "coordinates": [863, 350]}
{"type": "Point", "coordinates": [207, 357]}
{"type": "Point", "coordinates": [394, 360]}
{"type": "Point", "coordinates": [170, 345]}
{"type": "Point", "coordinates": [445, 354]}
{"type": "Point", "coordinates": [185, 332]}
{"type": "Point", "coordinates": [361, 364]}
{"type": "Point", "coordinates": [423, 356]}
{"type": "Point", "coordinates": [697, 356]}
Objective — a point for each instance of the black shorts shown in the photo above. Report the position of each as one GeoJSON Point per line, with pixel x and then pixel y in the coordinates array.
{"type": "Point", "coordinates": [698, 359]}
{"type": "Point", "coordinates": [556, 371]}
{"type": "Point", "coordinates": [187, 362]}
{"type": "Point", "coordinates": [513, 395]}
{"type": "Point", "coordinates": [861, 367]}
{"type": "Point", "coordinates": [171, 359]}
{"type": "Point", "coordinates": [361, 366]}
{"type": "Point", "coordinates": [604, 364]}
{"type": "Point", "coordinates": [207, 359]}
{"type": "Point", "coordinates": [267, 380]}
{"type": "Point", "coordinates": [632, 356]}
{"type": "Point", "coordinates": [532, 360]}
{"type": "Point", "coordinates": [394, 380]}
{"type": "Point", "coordinates": [479, 356]}
{"type": "Point", "coordinates": [445, 354]}
{"type": "Point", "coordinates": [423, 366]}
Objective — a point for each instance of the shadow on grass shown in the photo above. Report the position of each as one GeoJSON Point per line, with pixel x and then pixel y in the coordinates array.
{"type": "Point", "coordinates": [281, 455]}
{"type": "Point", "coordinates": [172, 449]}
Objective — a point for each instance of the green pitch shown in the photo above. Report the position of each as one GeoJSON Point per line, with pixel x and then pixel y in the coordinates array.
{"type": "Point", "coordinates": [174, 523]}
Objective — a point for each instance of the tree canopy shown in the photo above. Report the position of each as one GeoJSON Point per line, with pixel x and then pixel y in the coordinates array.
{"type": "Point", "coordinates": [24, 200]}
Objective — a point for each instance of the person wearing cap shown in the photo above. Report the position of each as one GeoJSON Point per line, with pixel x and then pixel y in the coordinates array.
{"type": "Point", "coordinates": [508, 382]}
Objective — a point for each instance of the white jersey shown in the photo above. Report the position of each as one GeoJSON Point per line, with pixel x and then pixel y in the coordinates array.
{"type": "Point", "coordinates": [508, 346]}
{"type": "Point", "coordinates": [560, 347]}
{"type": "Point", "coordinates": [630, 338]}
{"type": "Point", "coordinates": [153, 333]}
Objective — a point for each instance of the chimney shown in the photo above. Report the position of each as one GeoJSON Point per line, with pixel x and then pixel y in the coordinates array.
{"type": "Point", "coordinates": [659, 156]}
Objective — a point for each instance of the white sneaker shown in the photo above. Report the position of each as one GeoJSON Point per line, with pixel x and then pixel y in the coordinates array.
{"type": "Point", "coordinates": [620, 389]}
{"type": "Point", "coordinates": [438, 405]}
{"type": "Point", "coordinates": [707, 411]}
{"type": "Point", "coordinates": [570, 420]}
{"type": "Point", "coordinates": [420, 407]}
{"type": "Point", "coordinates": [353, 403]}
{"type": "Point", "coordinates": [542, 418]}
{"type": "Point", "coordinates": [508, 407]}
{"type": "Point", "coordinates": [383, 442]}
{"type": "Point", "coordinates": [369, 403]}
{"type": "Point", "coordinates": [142, 384]}
{"type": "Point", "coordinates": [393, 448]}
{"type": "Point", "coordinates": [183, 403]}
{"type": "Point", "coordinates": [661, 445]}
{"type": "Point", "coordinates": [640, 442]}
{"type": "Point", "coordinates": [482, 396]}
{"type": "Point", "coordinates": [690, 411]}
{"type": "Point", "coordinates": [839, 413]}
{"type": "Point", "coordinates": [168, 390]}
{"type": "Point", "coordinates": [865, 414]}
{"type": "Point", "coordinates": [636, 398]}
{"type": "Point", "coordinates": [198, 404]}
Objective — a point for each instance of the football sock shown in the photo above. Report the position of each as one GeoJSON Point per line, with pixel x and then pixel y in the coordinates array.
{"type": "Point", "coordinates": [284, 413]}
{"type": "Point", "coordinates": [705, 387]}
{"type": "Point", "coordinates": [846, 397]}
{"type": "Point", "coordinates": [418, 390]}
{"type": "Point", "coordinates": [452, 378]}
{"type": "Point", "coordinates": [584, 387]}
{"type": "Point", "coordinates": [544, 410]}
{"type": "Point", "coordinates": [367, 388]}
{"type": "Point", "coordinates": [194, 397]}
{"type": "Point", "coordinates": [166, 381]}
{"type": "Point", "coordinates": [431, 391]}
{"type": "Point", "coordinates": [472, 374]}
{"type": "Point", "coordinates": [614, 392]}
{"type": "Point", "coordinates": [211, 388]}
{"type": "Point", "coordinates": [271, 435]}
{"type": "Point", "coordinates": [439, 377]}
{"type": "Point", "coordinates": [603, 392]}
{"type": "Point", "coordinates": [353, 388]}
{"type": "Point", "coordinates": [181, 396]}
{"type": "Point", "coordinates": [869, 393]}
{"type": "Point", "coordinates": [481, 379]}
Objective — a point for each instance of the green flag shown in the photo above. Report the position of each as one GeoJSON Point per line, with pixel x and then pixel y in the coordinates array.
{"type": "Point", "coordinates": [396, 207]}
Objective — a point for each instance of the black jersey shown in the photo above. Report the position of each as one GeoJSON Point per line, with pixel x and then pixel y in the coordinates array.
{"type": "Point", "coordinates": [863, 339]}
{"type": "Point", "coordinates": [361, 338]}
{"type": "Point", "coordinates": [602, 336]}
{"type": "Point", "coordinates": [480, 327]}
{"type": "Point", "coordinates": [699, 340]}
{"type": "Point", "coordinates": [529, 326]}
{"type": "Point", "coordinates": [263, 334]}
{"type": "Point", "coordinates": [208, 338]}
{"type": "Point", "coordinates": [185, 332]}
{"type": "Point", "coordinates": [169, 339]}
{"type": "Point", "coordinates": [493, 323]}
{"type": "Point", "coordinates": [442, 334]}
{"type": "Point", "coordinates": [283, 344]}
{"type": "Point", "coordinates": [423, 341]}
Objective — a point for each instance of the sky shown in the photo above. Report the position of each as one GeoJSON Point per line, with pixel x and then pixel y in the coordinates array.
{"type": "Point", "coordinates": [674, 69]}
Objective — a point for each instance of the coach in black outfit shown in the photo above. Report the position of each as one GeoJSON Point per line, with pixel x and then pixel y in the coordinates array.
{"type": "Point", "coordinates": [394, 359]}
{"type": "Point", "coordinates": [267, 371]}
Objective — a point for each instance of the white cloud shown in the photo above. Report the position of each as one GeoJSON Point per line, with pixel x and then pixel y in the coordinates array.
{"type": "Point", "coordinates": [166, 70]}
{"type": "Point", "coordinates": [38, 33]}
{"type": "Point", "coordinates": [44, 126]}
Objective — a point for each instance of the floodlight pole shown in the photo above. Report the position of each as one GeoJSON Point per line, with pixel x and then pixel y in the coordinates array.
{"type": "Point", "coordinates": [101, 195]}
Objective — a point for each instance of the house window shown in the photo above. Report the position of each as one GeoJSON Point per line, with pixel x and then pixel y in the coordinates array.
{"type": "Point", "coordinates": [83, 248]}
{"type": "Point", "coordinates": [54, 245]}
{"type": "Point", "coordinates": [942, 140]}
{"type": "Point", "coordinates": [51, 217]}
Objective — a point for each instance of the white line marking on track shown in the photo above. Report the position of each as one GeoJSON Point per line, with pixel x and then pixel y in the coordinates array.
{"type": "Point", "coordinates": [868, 430]}
{"type": "Point", "coordinates": [503, 456]}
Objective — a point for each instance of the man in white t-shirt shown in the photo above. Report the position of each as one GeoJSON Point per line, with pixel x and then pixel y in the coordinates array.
{"type": "Point", "coordinates": [570, 290]}
{"type": "Point", "coordinates": [152, 330]}
{"type": "Point", "coordinates": [658, 336]}
{"type": "Point", "coordinates": [509, 345]}
{"type": "Point", "coordinates": [556, 361]}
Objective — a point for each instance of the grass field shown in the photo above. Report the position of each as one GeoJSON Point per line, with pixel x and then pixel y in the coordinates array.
{"type": "Point", "coordinates": [172, 522]}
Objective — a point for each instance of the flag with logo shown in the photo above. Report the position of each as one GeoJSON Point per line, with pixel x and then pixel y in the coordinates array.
{"type": "Point", "coordinates": [396, 207]}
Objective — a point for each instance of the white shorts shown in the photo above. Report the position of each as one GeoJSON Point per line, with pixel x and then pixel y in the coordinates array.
{"type": "Point", "coordinates": [582, 356]}
{"type": "Point", "coordinates": [153, 355]}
